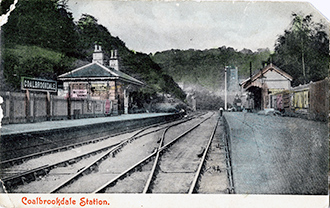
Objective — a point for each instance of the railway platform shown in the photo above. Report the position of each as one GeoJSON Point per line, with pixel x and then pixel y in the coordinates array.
{"type": "Point", "coordinates": [26, 128]}
{"type": "Point", "coordinates": [15, 137]}
{"type": "Point", "coordinates": [278, 155]}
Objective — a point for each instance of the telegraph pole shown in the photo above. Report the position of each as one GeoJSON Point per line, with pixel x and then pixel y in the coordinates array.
{"type": "Point", "coordinates": [225, 88]}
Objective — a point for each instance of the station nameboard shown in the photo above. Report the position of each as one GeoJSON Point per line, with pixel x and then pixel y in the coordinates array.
{"type": "Point", "coordinates": [38, 84]}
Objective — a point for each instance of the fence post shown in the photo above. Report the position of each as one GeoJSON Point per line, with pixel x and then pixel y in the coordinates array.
{"type": "Point", "coordinates": [93, 107]}
{"type": "Point", "coordinates": [48, 106]}
{"type": "Point", "coordinates": [34, 107]}
{"type": "Point", "coordinates": [27, 106]}
{"type": "Point", "coordinates": [52, 107]}
{"type": "Point", "coordinates": [82, 108]}
{"type": "Point", "coordinates": [11, 107]}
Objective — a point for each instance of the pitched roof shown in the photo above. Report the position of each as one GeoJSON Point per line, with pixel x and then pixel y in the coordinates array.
{"type": "Point", "coordinates": [96, 71]}
{"type": "Point", "coordinates": [260, 73]}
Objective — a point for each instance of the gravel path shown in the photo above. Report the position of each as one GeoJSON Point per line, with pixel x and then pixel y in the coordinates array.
{"type": "Point", "coordinates": [278, 155]}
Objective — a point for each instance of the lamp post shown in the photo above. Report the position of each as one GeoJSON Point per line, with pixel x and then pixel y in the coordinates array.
{"type": "Point", "coordinates": [263, 80]}
{"type": "Point", "coordinates": [225, 88]}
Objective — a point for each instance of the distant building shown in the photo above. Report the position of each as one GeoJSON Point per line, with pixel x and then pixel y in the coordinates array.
{"type": "Point", "coordinates": [268, 80]}
{"type": "Point", "coordinates": [97, 81]}
{"type": "Point", "coordinates": [232, 79]}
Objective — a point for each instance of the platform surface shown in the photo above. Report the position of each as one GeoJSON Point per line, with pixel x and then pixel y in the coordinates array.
{"type": "Point", "coordinates": [50, 125]}
{"type": "Point", "coordinates": [278, 155]}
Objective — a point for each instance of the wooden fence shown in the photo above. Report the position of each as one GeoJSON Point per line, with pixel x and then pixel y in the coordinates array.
{"type": "Point", "coordinates": [35, 107]}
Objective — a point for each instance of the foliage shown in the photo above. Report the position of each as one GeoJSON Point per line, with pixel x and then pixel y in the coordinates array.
{"type": "Point", "coordinates": [5, 5]}
{"type": "Point", "coordinates": [207, 101]}
{"type": "Point", "coordinates": [33, 61]}
{"type": "Point", "coordinates": [303, 50]}
{"type": "Point", "coordinates": [206, 68]}
{"type": "Point", "coordinates": [41, 40]}
{"type": "Point", "coordinates": [41, 23]}
{"type": "Point", "coordinates": [91, 33]}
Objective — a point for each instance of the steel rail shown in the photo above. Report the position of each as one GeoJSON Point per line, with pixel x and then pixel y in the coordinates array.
{"type": "Point", "coordinates": [156, 152]}
{"type": "Point", "coordinates": [226, 139]}
{"type": "Point", "coordinates": [65, 139]}
{"type": "Point", "coordinates": [193, 186]}
{"type": "Point", "coordinates": [71, 159]}
{"type": "Point", "coordinates": [42, 153]}
{"type": "Point", "coordinates": [16, 178]}
{"type": "Point", "coordinates": [6, 179]}
{"type": "Point", "coordinates": [24, 177]}
{"type": "Point", "coordinates": [33, 174]}
{"type": "Point", "coordinates": [147, 186]}
{"type": "Point", "coordinates": [155, 165]}
{"type": "Point", "coordinates": [58, 149]}
{"type": "Point", "coordinates": [112, 151]}
{"type": "Point", "coordinates": [120, 176]}
{"type": "Point", "coordinates": [90, 166]}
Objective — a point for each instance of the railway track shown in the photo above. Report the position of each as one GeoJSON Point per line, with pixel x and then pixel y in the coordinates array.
{"type": "Point", "coordinates": [112, 166]}
{"type": "Point", "coordinates": [113, 169]}
{"type": "Point", "coordinates": [154, 156]}
{"type": "Point", "coordinates": [19, 160]}
{"type": "Point", "coordinates": [51, 147]}
{"type": "Point", "coordinates": [37, 173]}
{"type": "Point", "coordinates": [36, 144]}
{"type": "Point", "coordinates": [142, 176]}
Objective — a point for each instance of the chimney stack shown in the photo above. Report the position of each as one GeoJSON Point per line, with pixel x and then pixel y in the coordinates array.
{"type": "Point", "coordinates": [113, 63]}
{"type": "Point", "coordinates": [98, 56]}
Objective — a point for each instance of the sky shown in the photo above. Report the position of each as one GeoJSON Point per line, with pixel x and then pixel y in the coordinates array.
{"type": "Point", "coordinates": [151, 26]}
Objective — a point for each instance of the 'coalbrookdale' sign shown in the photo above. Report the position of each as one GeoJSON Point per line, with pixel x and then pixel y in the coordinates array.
{"type": "Point", "coordinates": [38, 84]}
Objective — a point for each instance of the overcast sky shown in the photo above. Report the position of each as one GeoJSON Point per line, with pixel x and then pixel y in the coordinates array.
{"type": "Point", "coordinates": [151, 26]}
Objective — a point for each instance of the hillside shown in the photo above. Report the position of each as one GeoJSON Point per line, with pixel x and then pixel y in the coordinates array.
{"type": "Point", "coordinates": [198, 70]}
{"type": "Point", "coordinates": [41, 40]}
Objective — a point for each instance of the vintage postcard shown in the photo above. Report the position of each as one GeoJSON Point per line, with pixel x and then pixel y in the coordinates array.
{"type": "Point", "coordinates": [109, 103]}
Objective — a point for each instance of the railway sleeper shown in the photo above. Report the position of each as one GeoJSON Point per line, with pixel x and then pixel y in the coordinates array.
{"type": "Point", "coordinates": [159, 140]}
{"type": "Point", "coordinates": [201, 152]}
{"type": "Point", "coordinates": [28, 178]}
{"type": "Point", "coordinates": [18, 162]}
{"type": "Point", "coordinates": [46, 171]}
{"type": "Point", "coordinates": [196, 188]}
{"type": "Point", "coordinates": [87, 171]}
{"type": "Point", "coordinates": [92, 169]}
{"type": "Point", "coordinates": [70, 162]}
{"type": "Point", "coordinates": [139, 168]}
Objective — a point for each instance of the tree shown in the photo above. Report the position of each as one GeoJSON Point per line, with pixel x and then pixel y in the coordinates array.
{"type": "Point", "coordinates": [41, 40]}
{"type": "Point", "coordinates": [41, 23]}
{"type": "Point", "coordinates": [5, 6]}
{"type": "Point", "coordinates": [303, 50]}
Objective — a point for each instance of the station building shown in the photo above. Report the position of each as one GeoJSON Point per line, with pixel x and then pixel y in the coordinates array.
{"type": "Point", "coordinates": [100, 80]}
{"type": "Point", "coordinates": [259, 86]}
